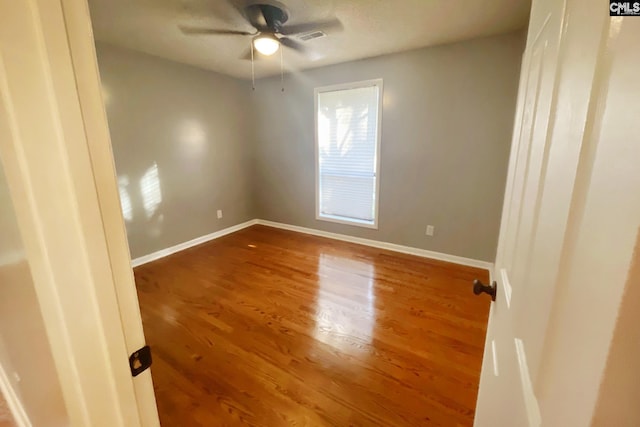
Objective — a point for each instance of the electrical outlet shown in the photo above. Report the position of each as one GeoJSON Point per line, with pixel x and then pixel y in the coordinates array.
{"type": "Point", "coordinates": [430, 230]}
{"type": "Point", "coordinates": [219, 213]}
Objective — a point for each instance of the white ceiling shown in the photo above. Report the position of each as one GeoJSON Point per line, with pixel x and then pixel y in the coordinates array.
{"type": "Point", "coordinates": [371, 28]}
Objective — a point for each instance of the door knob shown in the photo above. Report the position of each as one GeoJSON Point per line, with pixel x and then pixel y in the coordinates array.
{"type": "Point", "coordinates": [479, 287]}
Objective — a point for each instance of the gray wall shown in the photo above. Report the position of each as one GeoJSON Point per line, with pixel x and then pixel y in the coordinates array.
{"type": "Point", "coordinates": [446, 132]}
{"type": "Point", "coordinates": [191, 124]}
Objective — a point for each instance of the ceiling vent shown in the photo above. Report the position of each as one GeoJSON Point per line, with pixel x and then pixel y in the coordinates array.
{"type": "Point", "coordinates": [305, 37]}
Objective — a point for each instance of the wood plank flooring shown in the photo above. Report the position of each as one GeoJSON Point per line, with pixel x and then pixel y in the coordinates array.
{"type": "Point", "coordinates": [6, 419]}
{"type": "Point", "coordinates": [267, 327]}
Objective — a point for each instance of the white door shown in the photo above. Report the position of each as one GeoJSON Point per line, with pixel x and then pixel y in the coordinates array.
{"type": "Point", "coordinates": [500, 397]}
{"type": "Point", "coordinates": [55, 150]}
{"type": "Point", "coordinates": [559, 67]}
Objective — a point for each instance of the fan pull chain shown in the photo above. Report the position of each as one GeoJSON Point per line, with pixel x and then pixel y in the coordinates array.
{"type": "Point", "coordinates": [281, 68]}
{"type": "Point", "coordinates": [253, 72]}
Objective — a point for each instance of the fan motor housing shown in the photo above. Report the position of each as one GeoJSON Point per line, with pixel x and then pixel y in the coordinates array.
{"type": "Point", "coordinates": [274, 12]}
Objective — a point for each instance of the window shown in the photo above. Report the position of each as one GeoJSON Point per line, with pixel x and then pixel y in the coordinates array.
{"type": "Point", "coordinates": [348, 121]}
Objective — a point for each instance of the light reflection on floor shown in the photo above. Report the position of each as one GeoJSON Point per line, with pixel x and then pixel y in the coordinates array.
{"type": "Point", "coordinates": [341, 282]}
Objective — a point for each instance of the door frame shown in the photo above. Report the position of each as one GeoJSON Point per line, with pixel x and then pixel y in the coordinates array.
{"type": "Point", "coordinates": [75, 238]}
{"type": "Point", "coordinates": [89, 86]}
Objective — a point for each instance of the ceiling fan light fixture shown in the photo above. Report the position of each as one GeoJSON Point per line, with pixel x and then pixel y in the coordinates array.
{"type": "Point", "coordinates": [266, 44]}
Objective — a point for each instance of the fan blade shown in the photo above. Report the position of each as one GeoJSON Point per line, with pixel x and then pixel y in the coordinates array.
{"type": "Point", "coordinates": [326, 26]}
{"type": "Point", "coordinates": [211, 31]}
{"type": "Point", "coordinates": [290, 43]}
{"type": "Point", "coordinates": [256, 18]}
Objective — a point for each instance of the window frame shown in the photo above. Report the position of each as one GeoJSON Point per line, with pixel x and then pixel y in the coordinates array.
{"type": "Point", "coordinates": [339, 87]}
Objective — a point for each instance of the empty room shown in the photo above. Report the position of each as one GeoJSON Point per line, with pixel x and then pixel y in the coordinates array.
{"type": "Point", "coordinates": [305, 242]}
{"type": "Point", "coordinates": [319, 213]}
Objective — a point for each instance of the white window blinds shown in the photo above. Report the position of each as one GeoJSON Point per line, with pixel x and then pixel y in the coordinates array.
{"type": "Point", "coordinates": [347, 135]}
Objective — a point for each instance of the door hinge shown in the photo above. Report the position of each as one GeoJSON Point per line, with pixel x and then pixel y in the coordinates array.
{"type": "Point", "coordinates": [140, 360]}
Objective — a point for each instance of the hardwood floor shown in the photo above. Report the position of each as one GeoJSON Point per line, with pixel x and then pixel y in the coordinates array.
{"type": "Point", "coordinates": [267, 327]}
{"type": "Point", "coordinates": [6, 419]}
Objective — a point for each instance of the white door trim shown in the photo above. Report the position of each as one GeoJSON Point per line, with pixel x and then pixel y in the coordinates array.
{"type": "Point", "coordinates": [87, 78]}
{"type": "Point", "coordinates": [45, 153]}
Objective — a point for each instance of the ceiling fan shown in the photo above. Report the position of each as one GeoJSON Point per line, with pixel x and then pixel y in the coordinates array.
{"type": "Point", "coordinates": [269, 20]}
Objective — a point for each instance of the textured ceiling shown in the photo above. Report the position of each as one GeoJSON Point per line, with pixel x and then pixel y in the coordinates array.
{"type": "Point", "coordinates": [371, 28]}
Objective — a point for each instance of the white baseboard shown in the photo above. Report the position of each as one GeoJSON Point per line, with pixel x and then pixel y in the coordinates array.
{"type": "Point", "coordinates": [13, 402]}
{"type": "Point", "coordinates": [195, 242]}
{"type": "Point", "coordinates": [383, 245]}
{"type": "Point", "coordinates": [342, 237]}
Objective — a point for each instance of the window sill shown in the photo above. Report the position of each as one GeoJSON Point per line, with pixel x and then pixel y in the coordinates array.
{"type": "Point", "coordinates": [348, 221]}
